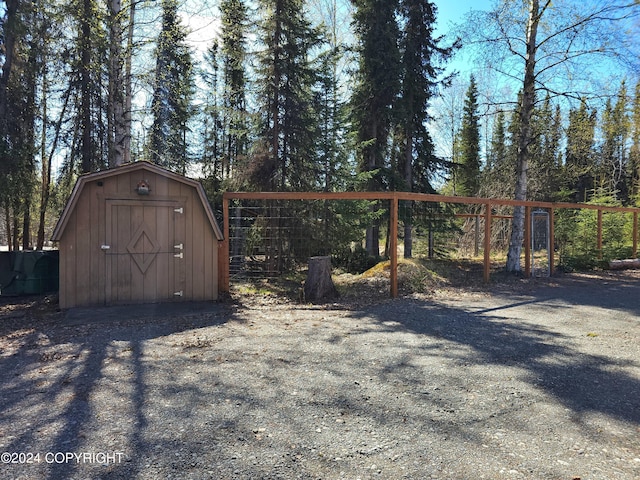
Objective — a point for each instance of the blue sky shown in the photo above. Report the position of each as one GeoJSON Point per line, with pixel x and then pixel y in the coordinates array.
{"type": "Point", "coordinates": [453, 11]}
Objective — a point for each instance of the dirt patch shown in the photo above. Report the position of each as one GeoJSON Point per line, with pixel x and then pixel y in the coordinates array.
{"type": "Point", "coordinates": [521, 379]}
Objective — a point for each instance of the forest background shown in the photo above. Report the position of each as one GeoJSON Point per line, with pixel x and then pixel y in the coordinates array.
{"type": "Point", "coordinates": [320, 95]}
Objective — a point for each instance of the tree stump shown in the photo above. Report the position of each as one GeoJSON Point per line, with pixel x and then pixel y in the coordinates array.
{"type": "Point", "coordinates": [319, 284]}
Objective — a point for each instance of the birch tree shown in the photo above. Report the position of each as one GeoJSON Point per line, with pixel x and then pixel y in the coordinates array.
{"type": "Point", "coordinates": [550, 45]}
{"type": "Point", "coordinates": [117, 126]}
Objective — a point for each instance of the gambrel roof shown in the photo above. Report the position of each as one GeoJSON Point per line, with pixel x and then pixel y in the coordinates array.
{"type": "Point", "coordinates": [132, 167]}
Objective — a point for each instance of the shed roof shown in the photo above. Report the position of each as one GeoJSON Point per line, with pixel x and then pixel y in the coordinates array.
{"type": "Point", "coordinates": [126, 168]}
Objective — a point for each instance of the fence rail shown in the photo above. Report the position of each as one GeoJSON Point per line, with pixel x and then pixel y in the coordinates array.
{"type": "Point", "coordinates": [487, 205]}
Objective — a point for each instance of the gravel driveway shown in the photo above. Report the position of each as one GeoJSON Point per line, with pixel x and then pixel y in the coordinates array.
{"type": "Point", "coordinates": [542, 383]}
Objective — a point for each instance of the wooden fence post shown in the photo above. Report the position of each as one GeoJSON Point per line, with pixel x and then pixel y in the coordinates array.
{"type": "Point", "coordinates": [635, 235]}
{"type": "Point", "coordinates": [552, 240]}
{"type": "Point", "coordinates": [393, 246]}
{"type": "Point", "coordinates": [487, 242]}
{"type": "Point", "coordinates": [599, 234]}
{"type": "Point", "coordinates": [223, 260]}
{"type": "Point", "coordinates": [527, 241]}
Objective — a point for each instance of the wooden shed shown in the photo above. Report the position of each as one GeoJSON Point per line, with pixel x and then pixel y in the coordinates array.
{"type": "Point", "coordinates": [137, 234]}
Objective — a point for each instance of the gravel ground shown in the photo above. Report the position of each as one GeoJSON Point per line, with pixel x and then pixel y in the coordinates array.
{"type": "Point", "coordinates": [541, 382]}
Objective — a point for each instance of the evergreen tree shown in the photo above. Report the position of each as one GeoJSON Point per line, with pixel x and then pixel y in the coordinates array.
{"type": "Point", "coordinates": [553, 154]}
{"type": "Point", "coordinates": [284, 155]}
{"type": "Point", "coordinates": [10, 27]}
{"type": "Point", "coordinates": [579, 154]}
{"type": "Point", "coordinates": [80, 53]}
{"type": "Point", "coordinates": [545, 151]}
{"type": "Point", "coordinates": [333, 167]}
{"type": "Point", "coordinates": [513, 131]}
{"type": "Point", "coordinates": [17, 148]}
{"type": "Point", "coordinates": [497, 149]}
{"type": "Point", "coordinates": [468, 177]}
{"type": "Point", "coordinates": [377, 85]}
{"type": "Point", "coordinates": [212, 125]}
{"type": "Point", "coordinates": [420, 55]}
{"type": "Point", "coordinates": [173, 92]}
{"type": "Point", "coordinates": [235, 115]}
{"type": "Point", "coordinates": [499, 173]}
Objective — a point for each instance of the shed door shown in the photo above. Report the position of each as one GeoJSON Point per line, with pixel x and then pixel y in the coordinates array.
{"type": "Point", "coordinates": [144, 251]}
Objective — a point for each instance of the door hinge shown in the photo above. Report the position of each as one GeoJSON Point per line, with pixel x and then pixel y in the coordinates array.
{"type": "Point", "coordinates": [105, 247]}
{"type": "Point", "coordinates": [179, 255]}
{"type": "Point", "coordinates": [179, 210]}
{"type": "Point", "coordinates": [178, 294]}
{"type": "Point", "coordinates": [179, 246]}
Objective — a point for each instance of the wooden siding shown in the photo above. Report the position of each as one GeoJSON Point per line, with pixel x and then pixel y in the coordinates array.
{"type": "Point", "coordinates": [142, 233]}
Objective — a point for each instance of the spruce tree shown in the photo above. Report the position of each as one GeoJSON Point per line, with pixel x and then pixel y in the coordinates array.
{"type": "Point", "coordinates": [17, 148]}
{"type": "Point", "coordinates": [87, 51]}
{"type": "Point", "coordinates": [332, 142]}
{"type": "Point", "coordinates": [283, 158]}
{"type": "Point", "coordinates": [545, 151]}
{"type": "Point", "coordinates": [497, 147]}
{"type": "Point", "coordinates": [469, 144]}
{"type": "Point", "coordinates": [117, 140]}
{"type": "Point", "coordinates": [579, 168]}
{"type": "Point", "coordinates": [377, 84]}
{"type": "Point", "coordinates": [212, 133]}
{"type": "Point", "coordinates": [234, 53]}
{"type": "Point", "coordinates": [173, 91]}
{"type": "Point", "coordinates": [497, 176]}
{"type": "Point", "coordinates": [420, 57]}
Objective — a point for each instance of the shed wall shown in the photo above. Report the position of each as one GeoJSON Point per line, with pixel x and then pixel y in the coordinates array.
{"type": "Point", "coordinates": [86, 277]}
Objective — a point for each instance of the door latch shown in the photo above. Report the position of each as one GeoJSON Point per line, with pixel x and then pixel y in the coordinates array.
{"type": "Point", "coordinates": [178, 294]}
{"type": "Point", "coordinates": [179, 246]}
{"type": "Point", "coordinates": [179, 255]}
{"type": "Point", "coordinates": [179, 210]}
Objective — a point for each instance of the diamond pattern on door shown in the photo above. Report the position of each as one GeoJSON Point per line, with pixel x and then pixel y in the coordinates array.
{"type": "Point", "coordinates": [141, 266]}
{"type": "Point", "coordinates": [143, 247]}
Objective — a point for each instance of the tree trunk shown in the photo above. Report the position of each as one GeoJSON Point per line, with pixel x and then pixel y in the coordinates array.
{"type": "Point", "coordinates": [16, 227]}
{"type": "Point", "coordinates": [8, 227]}
{"type": "Point", "coordinates": [116, 120]}
{"type": "Point", "coordinates": [85, 87]}
{"type": "Point", "coordinates": [26, 225]}
{"type": "Point", "coordinates": [128, 95]}
{"type": "Point", "coordinates": [408, 178]}
{"type": "Point", "coordinates": [319, 284]}
{"type": "Point", "coordinates": [8, 44]}
{"type": "Point", "coordinates": [524, 138]}
{"type": "Point", "coordinates": [45, 161]}
{"type": "Point", "coordinates": [629, 263]}
{"type": "Point", "coordinates": [372, 239]}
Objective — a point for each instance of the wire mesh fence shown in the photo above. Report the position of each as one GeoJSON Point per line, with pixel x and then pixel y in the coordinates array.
{"type": "Point", "coordinates": [274, 234]}
{"type": "Point", "coordinates": [268, 238]}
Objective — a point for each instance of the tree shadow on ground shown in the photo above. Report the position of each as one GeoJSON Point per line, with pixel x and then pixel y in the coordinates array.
{"type": "Point", "coordinates": [60, 359]}
{"type": "Point", "coordinates": [515, 333]}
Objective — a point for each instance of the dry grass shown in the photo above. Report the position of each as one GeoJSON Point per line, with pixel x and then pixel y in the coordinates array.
{"type": "Point", "coordinates": [415, 276]}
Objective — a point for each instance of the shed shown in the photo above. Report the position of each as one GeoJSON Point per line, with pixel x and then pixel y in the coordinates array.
{"type": "Point", "coordinates": [137, 234]}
